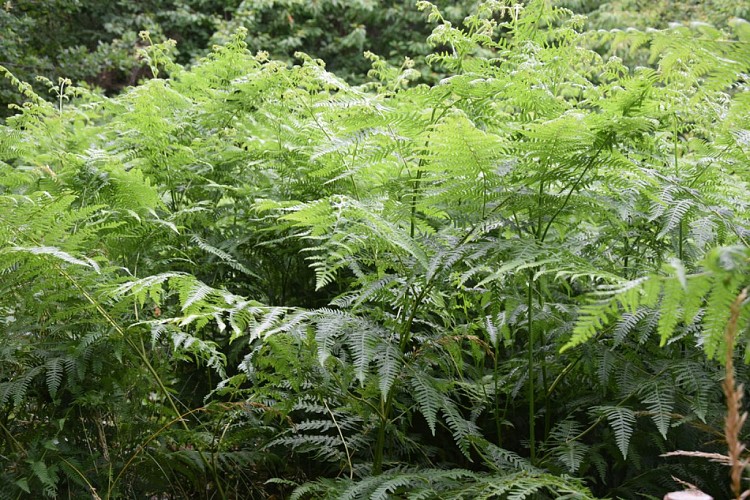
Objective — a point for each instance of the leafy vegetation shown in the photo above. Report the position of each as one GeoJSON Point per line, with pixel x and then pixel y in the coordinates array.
{"type": "Point", "coordinates": [95, 42]}
{"type": "Point", "coordinates": [248, 278]}
{"type": "Point", "coordinates": [659, 14]}
{"type": "Point", "coordinates": [99, 43]}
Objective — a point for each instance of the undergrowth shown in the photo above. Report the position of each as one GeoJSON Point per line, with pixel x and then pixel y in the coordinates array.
{"type": "Point", "coordinates": [248, 278]}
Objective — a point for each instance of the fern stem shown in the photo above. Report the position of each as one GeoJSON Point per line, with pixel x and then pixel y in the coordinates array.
{"type": "Point", "coordinates": [545, 383]}
{"type": "Point", "coordinates": [530, 370]}
{"type": "Point", "coordinates": [406, 332]}
{"type": "Point", "coordinates": [11, 439]}
{"type": "Point", "coordinates": [545, 395]}
{"type": "Point", "coordinates": [680, 237]}
{"type": "Point", "coordinates": [377, 461]}
{"type": "Point", "coordinates": [343, 440]}
{"type": "Point", "coordinates": [485, 189]}
{"type": "Point", "coordinates": [577, 182]}
{"type": "Point", "coordinates": [539, 208]}
{"type": "Point", "coordinates": [495, 379]}
{"type": "Point", "coordinates": [568, 368]}
{"type": "Point", "coordinates": [94, 494]}
{"type": "Point", "coordinates": [626, 252]}
{"type": "Point", "coordinates": [681, 227]}
{"type": "Point", "coordinates": [414, 194]}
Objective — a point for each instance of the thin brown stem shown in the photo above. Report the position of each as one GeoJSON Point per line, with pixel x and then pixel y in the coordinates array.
{"type": "Point", "coordinates": [733, 392]}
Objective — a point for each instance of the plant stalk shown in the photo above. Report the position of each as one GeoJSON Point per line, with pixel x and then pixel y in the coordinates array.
{"type": "Point", "coordinates": [530, 369]}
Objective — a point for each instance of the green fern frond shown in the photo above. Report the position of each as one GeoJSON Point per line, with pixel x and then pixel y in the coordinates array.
{"type": "Point", "coordinates": [427, 396]}
{"type": "Point", "coordinates": [224, 256]}
{"type": "Point", "coordinates": [622, 421]}
{"type": "Point", "coordinates": [659, 398]}
{"type": "Point", "coordinates": [54, 372]}
{"type": "Point", "coordinates": [445, 483]}
{"type": "Point", "coordinates": [57, 253]}
{"type": "Point", "coordinates": [670, 311]}
{"type": "Point", "coordinates": [461, 428]}
{"type": "Point", "coordinates": [389, 363]}
{"type": "Point", "coordinates": [566, 448]}
{"type": "Point", "coordinates": [592, 318]}
{"type": "Point", "coordinates": [504, 461]}
{"type": "Point", "coordinates": [628, 322]}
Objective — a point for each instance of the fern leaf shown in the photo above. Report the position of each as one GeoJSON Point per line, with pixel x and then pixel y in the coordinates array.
{"type": "Point", "coordinates": [622, 421]}
{"type": "Point", "coordinates": [503, 460]}
{"type": "Point", "coordinates": [593, 317]}
{"type": "Point", "coordinates": [54, 369]}
{"type": "Point", "coordinates": [57, 253]}
{"type": "Point", "coordinates": [669, 310]}
{"type": "Point", "coordinates": [361, 342]}
{"type": "Point", "coordinates": [463, 430]}
{"type": "Point", "coordinates": [390, 363]}
{"type": "Point", "coordinates": [429, 399]}
{"type": "Point", "coordinates": [567, 449]}
{"type": "Point", "coordinates": [388, 488]}
{"type": "Point", "coordinates": [524, 490]}
{"type": "Point", "coordinates": [660, 401]}
{"type": "Point", "coordinates": [193, 293]}
{"type": "Point", "coordinates": [46, 475]}
{"type": "Point", "coordinates": [627, 323]}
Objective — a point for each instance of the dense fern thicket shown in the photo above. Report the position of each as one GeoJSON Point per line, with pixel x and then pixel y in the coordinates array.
{"type": "Point", "coordinates": [251, 279]}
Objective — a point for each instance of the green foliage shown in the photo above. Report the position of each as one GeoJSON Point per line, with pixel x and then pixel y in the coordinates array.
{"type": "Point", "coordinates": [248, 270]}
{"type": "Point", "coordinates": [339, 32]}
{"type": "Point", "coordinates": [621, 14]}
{"type": "Point", "coordinates": [702, 297]}
{"type": "Point", "coordinates": [102, 44]}
{"type": "Point", "coordinates": [96, 42]}
{"type": "Point", "coordinates": [454, 483]}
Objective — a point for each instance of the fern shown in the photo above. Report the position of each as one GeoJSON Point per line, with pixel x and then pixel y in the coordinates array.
{"type": "Point", "coordinates": [54, 369]}
{"type": "Point", "coordinates": [718, 282]}
{"type": "Point", "coordinates": [378, 281]}
{"type": "Point", "coordinates": [565, 447]}
{"type": "Point", "coordinates": [436, 483]}
{"type": "Point", "coordinates": [428, 398]}
{"type": "Point", "coordinates": [660, 402]}
{"type": "Point", "coordinates": [622, 421]}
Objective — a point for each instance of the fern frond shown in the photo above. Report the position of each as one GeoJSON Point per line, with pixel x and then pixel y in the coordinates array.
{"type": "Point", "coordinates": [567, 449]}
{"type": "Point", "coordinates": [58, 254]}
{"type": "Point", "coordinates": [390, 363]}
{"type": "Point", "coordinates": [461, 429]}
{"type": "Point", "coordinates": [659, 399]}
{"type": "Point", "coordinates": [595, 316]}
{"type": "Point", "coordinates": [427, 396]}
{"type": "Point", "coordinates": [669, 308]}
{"type": "Point", "coordinates": [622, 421]}
{"type": "Point", "coordinates": [54, 369]}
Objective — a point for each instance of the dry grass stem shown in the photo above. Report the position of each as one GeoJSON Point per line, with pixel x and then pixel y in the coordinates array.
{"type": "Point", "coordinates": [734, 419]}
{"type": "Point", "coordinates": [714, 457]}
